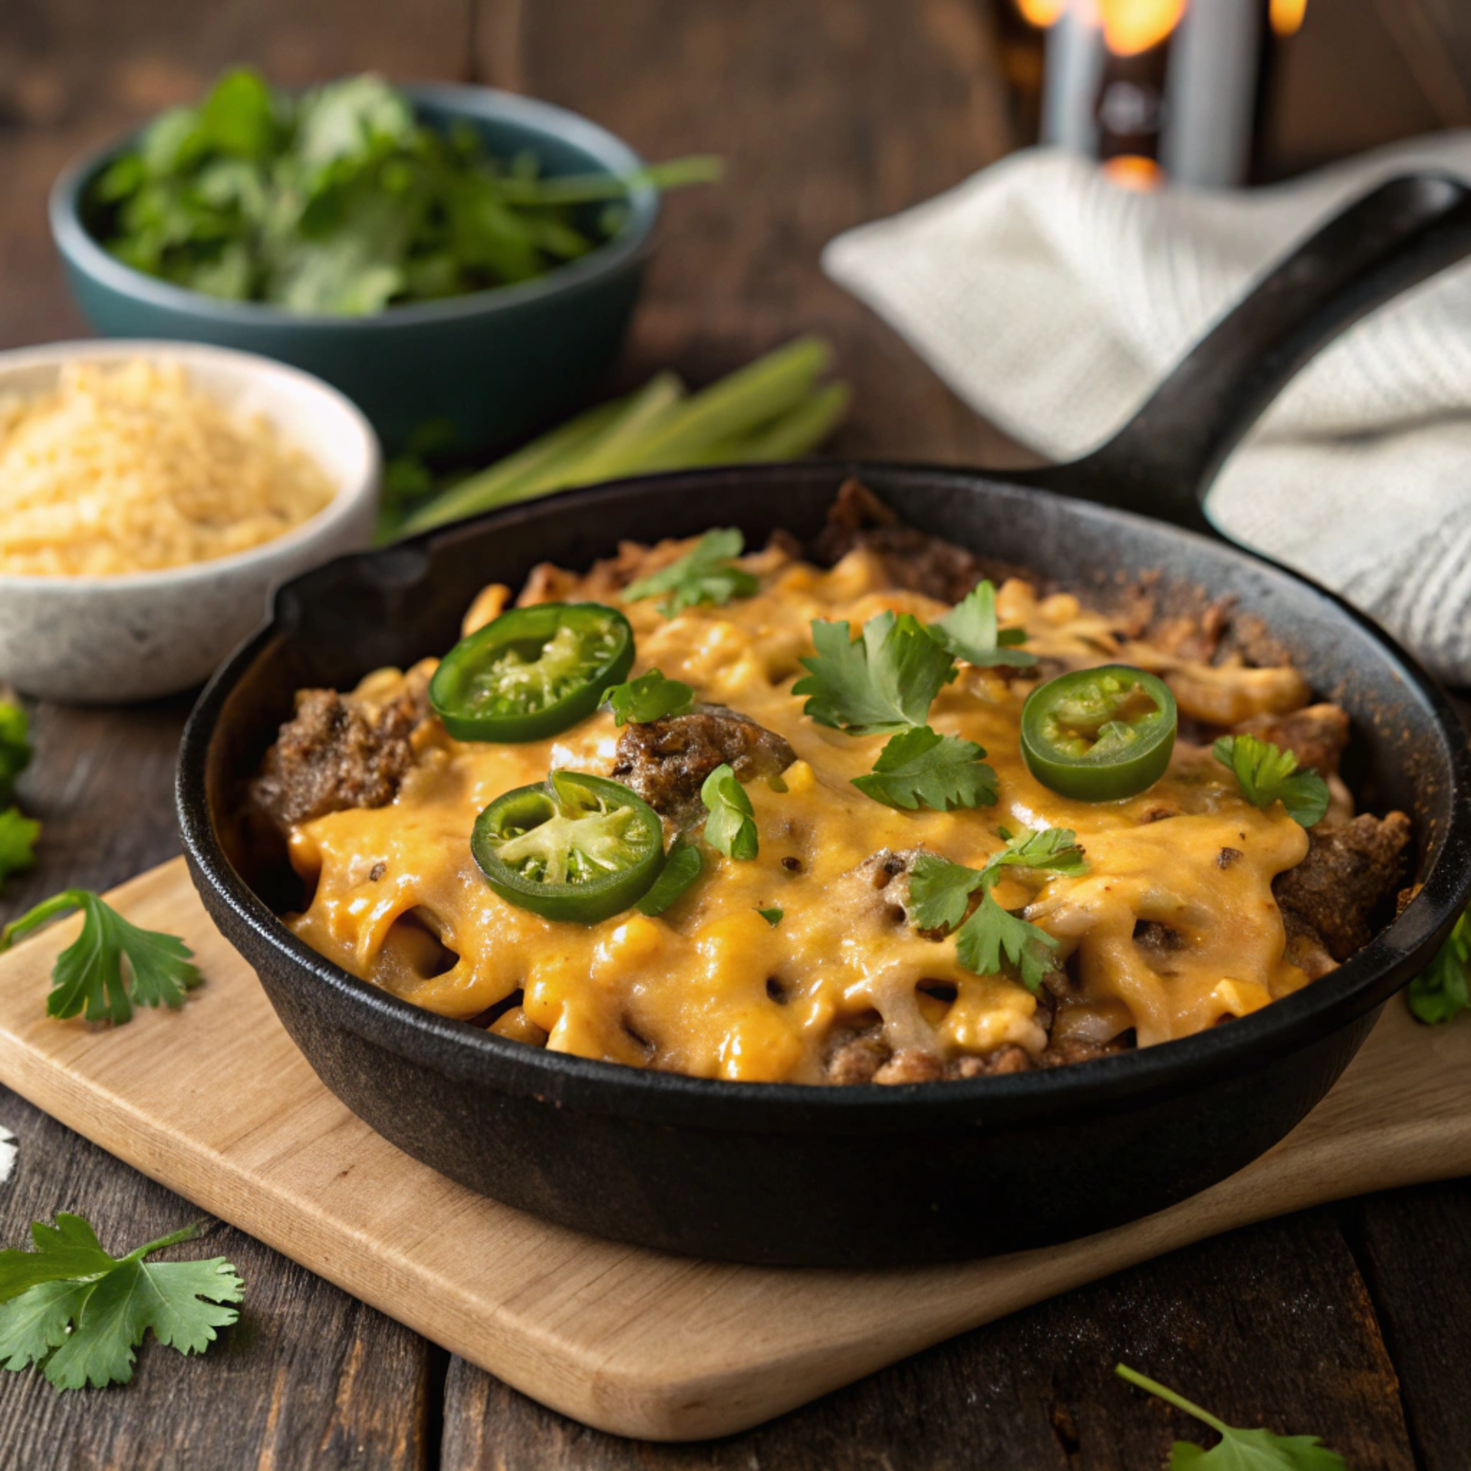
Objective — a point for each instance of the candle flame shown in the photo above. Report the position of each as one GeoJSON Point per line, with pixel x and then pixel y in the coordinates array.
{"type": "Point", "coordinates": [1132, 26]}
{"type": "Point", "coordinates": [1133, 171]}
{"type": "Point", "coordinates": [1286, 16]}
{"type": "Point", "coordinates": [1042, 13]}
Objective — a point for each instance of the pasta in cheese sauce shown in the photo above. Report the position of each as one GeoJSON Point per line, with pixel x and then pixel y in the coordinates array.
{"type": "Point", "coordinates": [711, 988]}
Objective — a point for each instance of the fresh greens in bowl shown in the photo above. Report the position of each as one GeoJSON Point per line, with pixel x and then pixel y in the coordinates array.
{"type": "Point", "coordinates": [341, 201]}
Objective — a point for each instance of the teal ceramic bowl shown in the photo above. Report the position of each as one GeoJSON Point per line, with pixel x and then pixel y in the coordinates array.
{"type": "Point", "coordinates": [487, 367]}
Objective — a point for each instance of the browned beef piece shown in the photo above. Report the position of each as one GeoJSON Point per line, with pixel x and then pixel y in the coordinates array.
{"type": "Point", "coordinates": [1316, 735]}
{"type": "Point", "coordinates": [855, 1054]}
{"type": "Point", "coordinates": [1077, 1049]}
{"type": "Point", "coordinates": [1160, 943]}
{"type": "Point", "coordinates": [911, 559]}
{"type": "Point", "coordinates": [1349, 870]}
{"type": "Point", "coordinates": [1007, 1059]}
{"type": "Point", "coordinates": [666, 761]}
{"type": "Point", "coordinates": [336, 753]}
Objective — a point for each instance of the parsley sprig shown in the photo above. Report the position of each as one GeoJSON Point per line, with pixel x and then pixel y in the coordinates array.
{"type": "Point", "coordinates": [88, 977]}
{"type": "Point", "coordinates": [731, 826]}
{"type": "Point", "coordinates": [649, 697]}
{"type": "Point", "coordinates": [1238, 1450]}
{"type": "Point", "coordinates": [940, 893]}
{"type": "Point", "coordinates": [705, 574]}
{"type": "Point", "coordinates": [1267, 773]}
{"type": "Point", "coordinates": [970, 632]}
{"type": "Point", "coordinates": [921, 768]}
{"type": "Point", "coordinates": [886, 679]}
{"type": "Point", "coordinates": [78, 1312]}
{"type": "Point", "coordinates": [1443, 989]}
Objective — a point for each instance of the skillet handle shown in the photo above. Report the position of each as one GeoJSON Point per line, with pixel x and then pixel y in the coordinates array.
{"type": "Point", "coordinates": [1162, 462]}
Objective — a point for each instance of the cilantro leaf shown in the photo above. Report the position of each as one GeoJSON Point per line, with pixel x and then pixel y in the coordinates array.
{"type": "Point", "coordinates": [1238, 1450]}
{"type": "Point", "coordinates": [940, 893]}
{"type": "Point", "coordinates": [18, 836]}
{"type": "Point", "coordinates": [1267, 773]}
{"type": "Point", "coordinates": [992, 933]}
{"type": "Point", "coordinates": [1443, 989]}
{"type": "Point", "coordinates": [649, 697]}
{"type": "Point", "coordinates": [79, 1312]}
{"type": "Point", "coordinates": [88, 975]}
{"type": "Point", "coordinates": [921, 768]}
{"type": "Point", "coordinates": [969, 632]}
{"type": "Point", "coordinates": [731, 825]}
{"type": "Point", "coordinates": [884, 680]}
{"type": "Point", "coordinates": [705, 574]}
{"type": "Point", "coordinates": [681, 868]}
{"type": "Point", "coordinates": [772, 916]}
{"type": "Point", "coordinates": [15, 747]}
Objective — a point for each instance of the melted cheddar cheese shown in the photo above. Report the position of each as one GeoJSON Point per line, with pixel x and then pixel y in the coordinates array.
{"type": "Point", "coordinates": [710, 988]}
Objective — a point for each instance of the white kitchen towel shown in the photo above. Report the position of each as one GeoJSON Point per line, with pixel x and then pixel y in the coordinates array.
{"type": "Point", "coordinates": [1053, 301]}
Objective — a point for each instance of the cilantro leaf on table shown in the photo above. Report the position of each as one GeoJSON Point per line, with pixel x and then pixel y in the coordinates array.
{"type": "Point", "coordinates": [706, 574]}
{"type": "Point", "coordinates": [1238, 1450]}
{"type": "Point", "coordinates": [15, 747]}
{"type": "Point", "coordinates": [921, 768]}
{"type": "Point", "coordinates": [969, 631]}
{"type": "Point", "coordinates": [1267, 773]}
{"type": "Point", "coordinates": [649, 697]}
{"type": "Point", "coordinates": [88, 977]}
{"type": "Point", "coordinates": [731, 826]}
{"type": "Point", "coordinates": [1442, 990]}
{"type": "Point", "coordinates": [884, 680]}
{"type": "Point", "coordinates": [78, 1312]}
{"type": "Point", "coordinates": [18, 836]}
{"type": "Point", "coordinates": [681, 868]}
{"type": "Point", "coordinates": [940, 892]}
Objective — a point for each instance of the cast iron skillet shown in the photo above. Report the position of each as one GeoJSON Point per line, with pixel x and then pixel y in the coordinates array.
{"type": "Point", "coordinates": [779, 1173]}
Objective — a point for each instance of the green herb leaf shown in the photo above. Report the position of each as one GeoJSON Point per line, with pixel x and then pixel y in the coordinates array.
{"type": "Point", "coordinates": [15, 747]}
{"type": "Point", "coordinates": [773, 917]}
{"type": "Point", "coordinates": [88, 976]}
{"type": "Point", "coordinates": [18, 836]}
{"type": "Point", "coordinates": [1238, 1450]}
{"type": "Point", "coordinates": [921, 768]}
{"type": "Point", "coordinates": [1442, 990]}
{"type": "Point", "coordinates": [992, 933]}
{"type": "Point", "coordinates": [731, 825]}
{"type": "Point", "coordinates": [649, 697]}
{"type": "Point", "coordinates": [969, 632]}
{"type": "Point", "coordinates": [681, 868]}
{"type": "Point", "coordinates": [705, 574]}
{"type": "Point", "coordinates": [1267, 773]}
{"type": "Point", "coordinates": [884, 680]}
{"type": "Point", "coordinates": [940, 893]}
{"type": "Point", "coordinates": [79, 1313]}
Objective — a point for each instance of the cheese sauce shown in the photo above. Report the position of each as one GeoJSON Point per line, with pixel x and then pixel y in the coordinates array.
{"type": "Point", "coordinates": [710, 988]}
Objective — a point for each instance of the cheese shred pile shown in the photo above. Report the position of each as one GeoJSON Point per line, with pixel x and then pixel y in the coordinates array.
{"type": "Point", "coordinates": [134, 470]}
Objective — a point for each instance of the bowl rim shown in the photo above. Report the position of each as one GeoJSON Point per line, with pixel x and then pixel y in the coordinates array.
{"type": "Point", "coordinates": [84, 253]}
{"type": "Point", "coordinates": [1362, 983]}
{"type": "Point", "coordinates": [332, 407]}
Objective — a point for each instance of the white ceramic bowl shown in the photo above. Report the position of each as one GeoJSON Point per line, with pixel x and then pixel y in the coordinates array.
{"type": "Point", "coordinates": [104, 640]}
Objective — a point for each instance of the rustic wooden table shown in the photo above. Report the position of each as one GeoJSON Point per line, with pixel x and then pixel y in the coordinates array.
{"type": "Point", "coordinates": [1352, 1321]}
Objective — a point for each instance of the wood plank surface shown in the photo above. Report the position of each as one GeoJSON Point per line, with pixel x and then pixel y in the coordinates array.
{"type": "Point", "coordinates": [73, 71]}
{"type": "Point", "coordinates": [215, 1101]}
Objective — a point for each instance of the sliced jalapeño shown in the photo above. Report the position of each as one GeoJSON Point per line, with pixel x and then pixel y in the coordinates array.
{"type": "Point", "coordinates": [1099, 734]}
{"type": "Point", "coordinates": [575, 847]}
{"type": "Point", "coordinates": [532, 672]}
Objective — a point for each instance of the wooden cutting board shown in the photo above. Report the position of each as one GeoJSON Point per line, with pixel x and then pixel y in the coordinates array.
{"type": "Point", "coordinates": [216, 1102]}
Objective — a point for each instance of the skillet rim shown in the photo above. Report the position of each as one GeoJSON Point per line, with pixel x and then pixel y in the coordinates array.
{"type": "Point", "coordinates": [462, 1052]}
